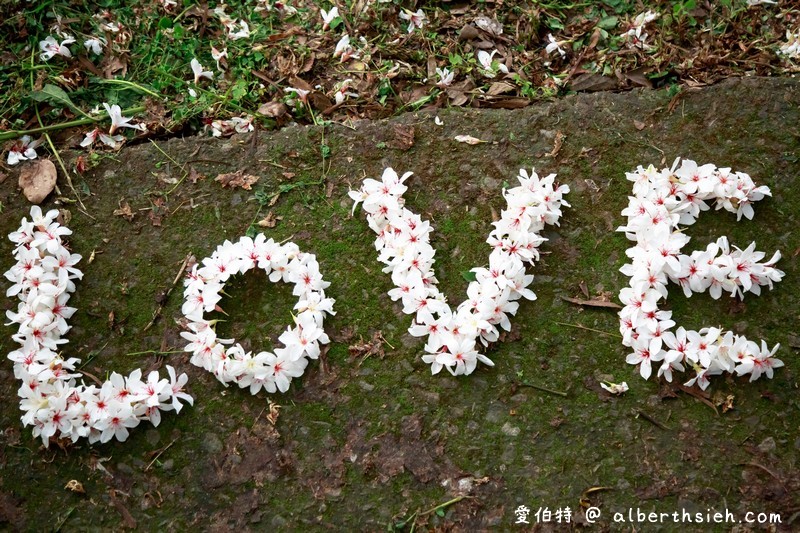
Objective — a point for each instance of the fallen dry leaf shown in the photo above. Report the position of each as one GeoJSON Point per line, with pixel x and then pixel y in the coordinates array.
{"type": "Point", "coordinates": [500, 87]}
{"type": "Point", "coordinates": [155, 220]}
{"type": "Point", "coordinates": [366, 349]}
{"type": "Point", "coordinates": [559, 141]}
{"type": "Point", "coordinates": [403, 137]}
{"type": "Point", "coordinates": [194, 175]}
{"type": "Point", "coordinates": [124, 211]}
{"type": "Point", "coordinates": [75, 486]}
{"type": "Point", "coordinates": [37, 179]}
{"type": "Point", "coordinates": [269, 221]}
{"type": "Point", "coordinates": [273, 109]}
{"type": "Point", "coordinates": [237, 179]}
{"type": "Point", "coordinates": [469, 139]}
{"type": "Point", "coordinates": [274, 412]}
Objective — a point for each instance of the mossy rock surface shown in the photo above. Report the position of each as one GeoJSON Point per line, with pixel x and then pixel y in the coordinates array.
{"type": "Point", "coordinates": [361, 444]}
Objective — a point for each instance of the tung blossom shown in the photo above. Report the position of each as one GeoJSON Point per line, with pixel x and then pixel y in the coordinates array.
{"type": "Point", "coordinates": [554, 46]}
{"type": "Point", "coordinates": [95, 45]}
{"type": "Point", "coordinates": [328, 17]}
{"type": "Point", "coordinates": [218, 55]}
{"type": "Point", "coordinates": [22, 149]}
{"type": "Point", "coordinates": [445, 77]}
{"type": "Point", "coordinates": [113, 141]}
{"type": "Point", "coordinates": [118, 121]}
{"type": "Point", "coordinates": [344, 50]}
{"type": "Point", "coordinates": [489, 66]}
{"type": "Point", "coordinates": [50, 47]}
{"type": "Point", "coordinates": [51, 398]}
{"type": "Point", "coordinates": [199, 71]}
{"type": "Point", "coordinates": [791, 48]}
{"type": "Point", "coordinates": [636, 36]}
{"type": "Point", "coordinates": [415, 19]}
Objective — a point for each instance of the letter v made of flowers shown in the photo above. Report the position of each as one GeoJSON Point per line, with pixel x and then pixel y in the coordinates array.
{"type": "Point", "coordinates": [403, 244]}
{"type": "Point", "coordinates": [662, 200]}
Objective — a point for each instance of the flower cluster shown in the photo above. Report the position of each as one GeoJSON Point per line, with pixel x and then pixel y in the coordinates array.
{"type": "Point", "coordinates": [52, 402]}
{"type": "Point", "coordinates": [272, 371]}
{"type": "Point", "coordinates": [226, 128]}
{"type": "Point", "coordinates": [662, 200]}
{"type": "Point", "coordinates": [636, 37]}
{"type": "Point", "coordinates": [791, 48]}
{"type": "Point", "coordinates": [403, 244]}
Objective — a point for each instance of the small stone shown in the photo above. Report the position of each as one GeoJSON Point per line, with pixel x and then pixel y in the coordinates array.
{"type": "Point", "coordinates": [37, 179]}
{"type": "Point", "coordinates": [212, 443]}
{"type": "Point", "coordinates": [767, 445]}
{"type": "Point", "coordinates": [168, 465]}
{"type": "Point", "coordinates": [152, 437]}
{"type": "Point", "coordinates": [369, 387]}
{"type": "Point", "coordinates": [508, 429]}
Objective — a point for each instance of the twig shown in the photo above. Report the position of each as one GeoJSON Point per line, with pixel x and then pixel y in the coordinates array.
{"type": "Point", "coordinates": [578, 326]}
{"type": "Point", "coordinates": [163, 301]}
{"type": "Point", "coordinates": [93, 355]}
{"type": "Point", "coordinates": [154, 352]}
{"type": "Point", "coordinates": [90, 375]}
{"type": "Point", "coordinates": [413, 518]}
{"type": "Point", "coordinates": [64, 520]}
{"type": "Point", "coordinates": [543, 389]}
{"type": "Point", "coordinates": [161, 451]}
{"type": "Point", "coordinates": [640, 413]}
{"type": "Point", "coordinates": [443, 505]}
{"type": "Point", "coordinates": [592, 303]}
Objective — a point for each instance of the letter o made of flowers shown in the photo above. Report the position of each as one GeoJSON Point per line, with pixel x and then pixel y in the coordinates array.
{"type": "Point", "coordinates": [229, 362]}
{"type": "Point", "coordinates": [662, 200]}
{"type": "Point", "coordinates": [403, 243]}
{"type": "Point", "coordinates": [52, 400]}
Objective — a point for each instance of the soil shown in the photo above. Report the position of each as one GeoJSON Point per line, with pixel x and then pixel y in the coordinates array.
{"type": "Point", "coordinates": [368, 437]}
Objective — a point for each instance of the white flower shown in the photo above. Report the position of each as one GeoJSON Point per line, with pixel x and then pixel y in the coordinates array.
{"type": "Point", "coordinates": [760, 2]}
{"type": "Point", "coordinates": [118, 121]}
{"type": "Point", "coordinates": [344, 50]}
{"type": "Point", "coordinates": [791, 49]}
{"type": "Point", "coordinates": [112, 141]}
{"type": "Point", "coordinates": [24, 148]}
{"type": "Point", "coordinates": [95, 45]}
{"type": "Point", "coordinates": [224, 128]}
{"type": "Point", "coordinates": [415, 19]}
{"type": "Point", "coordinates": [328, 17]}
{"type": "Point", "coordinates": [614, 388]}
{"type": "Point", "coordinates": [302, 94]}
{"type": "Point", "coordinates": [554, 46]}
{"type": "Point", "coordinates": [50, 47]}
{"type": "Point", "coordinates": [199, 73]}
{"type": "Point", "coordinates": [342, 93]}
{"type": "Point", "coordinates": [445, 77]}
{"type": "Point", "coordinates": [218, 55]}
{"type": "Point", "coordinates": [636, 36]}
{"type": "Point", "coordinates": [489, 66]}
{"type": "Point", "coordinates": [238, 31]}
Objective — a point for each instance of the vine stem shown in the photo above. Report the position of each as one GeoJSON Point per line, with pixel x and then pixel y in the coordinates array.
{"type": "Point", "coordinates": [15, 134]}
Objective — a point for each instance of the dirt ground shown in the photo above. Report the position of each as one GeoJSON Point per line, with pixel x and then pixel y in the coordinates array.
{"type": "Point", "coordinates": [368, 439]}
